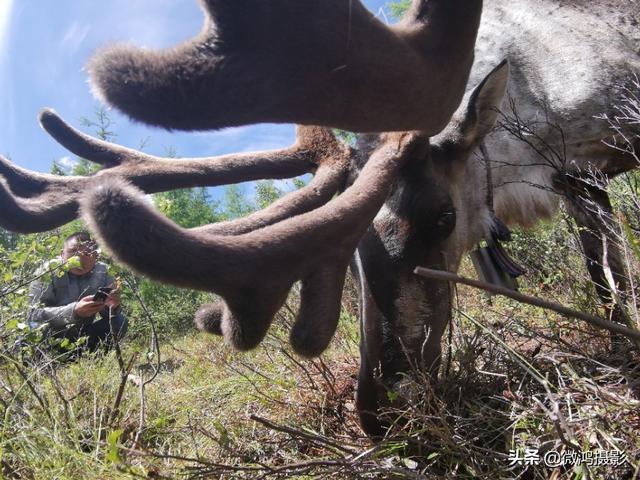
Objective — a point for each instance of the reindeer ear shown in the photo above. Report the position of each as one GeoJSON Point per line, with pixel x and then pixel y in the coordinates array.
{"type": "Point", "coordinates": [484, 103]}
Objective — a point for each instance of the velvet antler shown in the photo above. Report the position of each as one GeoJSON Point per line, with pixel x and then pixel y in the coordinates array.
{"type": "Point", "coordinates": [254, 268]}
{"type": "Point", "coordinates": [312, 62]}
{"type": "Point", "coordinates": [35, 202]}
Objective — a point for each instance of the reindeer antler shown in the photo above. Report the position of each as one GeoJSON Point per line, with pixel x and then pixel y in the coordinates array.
{"type": "Point", "coordinates": [318, 62]}
{"type": "Point", "coordinates": [251, 262]}
{"type": "Point", "coordinates": [37, 202]}
{"type": "Point", "coordinates": [312, 62]}
{"type": "Point", "coordinates": [254, 268]}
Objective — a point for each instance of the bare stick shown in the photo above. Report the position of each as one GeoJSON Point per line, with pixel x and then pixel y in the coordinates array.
{"type": "Point", "coordinates": [299, 433]}
{"type": "Point", "coordinates": [125, 370]}
{"type": "Point", "coordinates": [593, 320]}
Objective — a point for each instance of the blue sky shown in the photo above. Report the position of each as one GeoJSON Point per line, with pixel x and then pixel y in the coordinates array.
{"type": "Point", "coordinates": [44, 45]}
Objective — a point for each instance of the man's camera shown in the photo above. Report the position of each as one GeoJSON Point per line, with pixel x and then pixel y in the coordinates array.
{"type": "Point", "coordinates": [102, 294]}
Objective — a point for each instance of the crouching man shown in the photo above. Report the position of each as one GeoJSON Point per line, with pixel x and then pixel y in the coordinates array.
{"type": "Point", "coordinates": [81, 302]}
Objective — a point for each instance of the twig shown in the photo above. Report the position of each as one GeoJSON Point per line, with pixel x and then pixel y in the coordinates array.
{"type": "Point", "coordinates": [299, 433]}
{"type": "Point", "coordinates": [143, 410]}
{"type": "Point", "coordinates": [329, 378]}
{"type": "Point", "coordinates": [57, 388]}
{"type": "Point", "coordinates": [124, 376]}
{"type": "Point", "coordinates": [44, 404]}
{"type": "Point", "coordinates": [538, 302]}
{"type": "Point", "coordinates": [31, 280]}
{"type": "Point", "coordinates": [313, 384]}
{"type": "Point", "coordinates": [165, 456]}
{"type": "Point", "coordinates": [155, 344]}
{"type": "Point", "coordinates": [258, 391]}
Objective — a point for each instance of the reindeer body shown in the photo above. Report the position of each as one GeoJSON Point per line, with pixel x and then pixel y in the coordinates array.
{"type": "Point", "coordinates": [570, 63]}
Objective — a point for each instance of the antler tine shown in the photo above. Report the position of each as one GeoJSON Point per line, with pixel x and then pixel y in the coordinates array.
{"type": "Point", "coordinates": [326, 182]}
{"type": "Point", "coordinates": [41, 202]}
{"type": "Point", "coordinates": [312, 62]}
{"type": "Point", "coordinates": [19, 214]}
{"type": "Point", "coordinates": [155, 174]}
{"type": "Point", "coordinates": [27, 199]}
{"type": "Point", "coordinates": [253, 272]}
{"type": "Point", "coordinates": [85, 146]}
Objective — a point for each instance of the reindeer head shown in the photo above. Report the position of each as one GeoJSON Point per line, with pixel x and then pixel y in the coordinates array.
{"type": "Point", "coordinates": [436, 210]}
{"type": "Point", "coordinates": [328, 63]}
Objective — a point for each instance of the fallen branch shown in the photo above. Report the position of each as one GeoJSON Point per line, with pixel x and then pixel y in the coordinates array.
{"type": "Point", "coordinates": [315, 438]}
{"type": "Point", "coordinates": [598, 322]}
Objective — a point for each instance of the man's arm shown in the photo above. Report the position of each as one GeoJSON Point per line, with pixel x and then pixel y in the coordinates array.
{"type": "Point", "coordinates": [58, 317]}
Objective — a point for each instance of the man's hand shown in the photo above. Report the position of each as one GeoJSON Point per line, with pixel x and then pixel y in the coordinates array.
{"type": "Point", "coordinates": [86, 307]}
{"type": "Point", "coordinates": [113, 299]}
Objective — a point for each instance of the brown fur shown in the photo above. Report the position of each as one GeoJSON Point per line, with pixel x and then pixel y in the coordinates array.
{"type": "Point", "coordinates": [208, 318]}
{"type": "Point", "coordinates": [313, 62]}
{"type": "Point", "coordinates": [42, 202]}
{"type": "Point", "coordinates": [260, 265]}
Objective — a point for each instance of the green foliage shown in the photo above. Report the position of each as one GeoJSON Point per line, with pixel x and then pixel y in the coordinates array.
{"type": "Point", "coordinates": [102, 124]}
{"type": "Point", "coordinates": [8, 239]}
{"type": "Point", "coordinates": [347, 137]}
{"type": "Point", "coordinates": [298, 183]}
{"type": "Point", "coordinates": [632, 238]}
{"type": "Point", "coordinates": [113, 450]}
{"type": "Point", "coordinates": [189, 207]}
{"type": "Point", "coordinates": [58, 169]}
{"type": "Point", "coordinates": [267, 193]}
{"type": "Point", "coordinates": [398, 8]}
{"type": "Point", "coordinates": [625, 196]}
{"type": "Point", "coordinates": [235, 204]}
{"type": "Point", "coordinates": [538, 251]}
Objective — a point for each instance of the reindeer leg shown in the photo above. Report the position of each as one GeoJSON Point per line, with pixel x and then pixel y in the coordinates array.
{"type": "Point", "coordinates": [590, 207]}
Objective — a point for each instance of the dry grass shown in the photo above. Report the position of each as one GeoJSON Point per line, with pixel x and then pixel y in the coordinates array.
{"type": "Point", "coordinates": [516, 378]}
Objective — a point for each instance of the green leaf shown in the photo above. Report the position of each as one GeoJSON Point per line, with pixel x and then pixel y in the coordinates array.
{"type": "Point", "coordinates": [113, 451]}
{"type": "Point", "coordinates": [73, 262]}
{"type": "Point", "coordinates": [225, 439]}
{"type": "Point", "coordinates": [634, 242]}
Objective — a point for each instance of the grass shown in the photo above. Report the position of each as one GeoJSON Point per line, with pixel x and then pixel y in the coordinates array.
{"type": "Point", "coordinates": [516, 377]}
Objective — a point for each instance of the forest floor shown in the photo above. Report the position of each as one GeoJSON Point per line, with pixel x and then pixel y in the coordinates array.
{"type": "Point", "coordinates": [516, 383]}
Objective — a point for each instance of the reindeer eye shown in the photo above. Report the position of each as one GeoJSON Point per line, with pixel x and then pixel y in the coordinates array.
{"type": "Point", "coordinates": [446, 221]}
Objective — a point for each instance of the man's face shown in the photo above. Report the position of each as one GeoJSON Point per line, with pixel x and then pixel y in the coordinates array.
{"type": "Point", "coordinates": [85, 250]}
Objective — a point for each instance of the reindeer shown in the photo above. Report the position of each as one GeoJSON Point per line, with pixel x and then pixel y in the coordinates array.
{"type": "Point", "coordinates": [405, 199]}
{"type": "Point", "coordinates": [570, 63]}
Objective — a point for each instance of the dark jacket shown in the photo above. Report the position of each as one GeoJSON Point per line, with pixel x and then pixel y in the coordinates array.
{"type": "Point", "coordinates": [53, 302]}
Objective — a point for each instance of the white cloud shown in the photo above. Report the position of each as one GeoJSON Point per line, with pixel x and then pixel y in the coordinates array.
{"type": "Point", "coordinates": [6, 87]}
{"type": "Point", "coordinates": [67, 162]}
{"type": "Point", "coordinates": [5, 15]}
{"type": "Point", "coordinates": [73, 38]}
